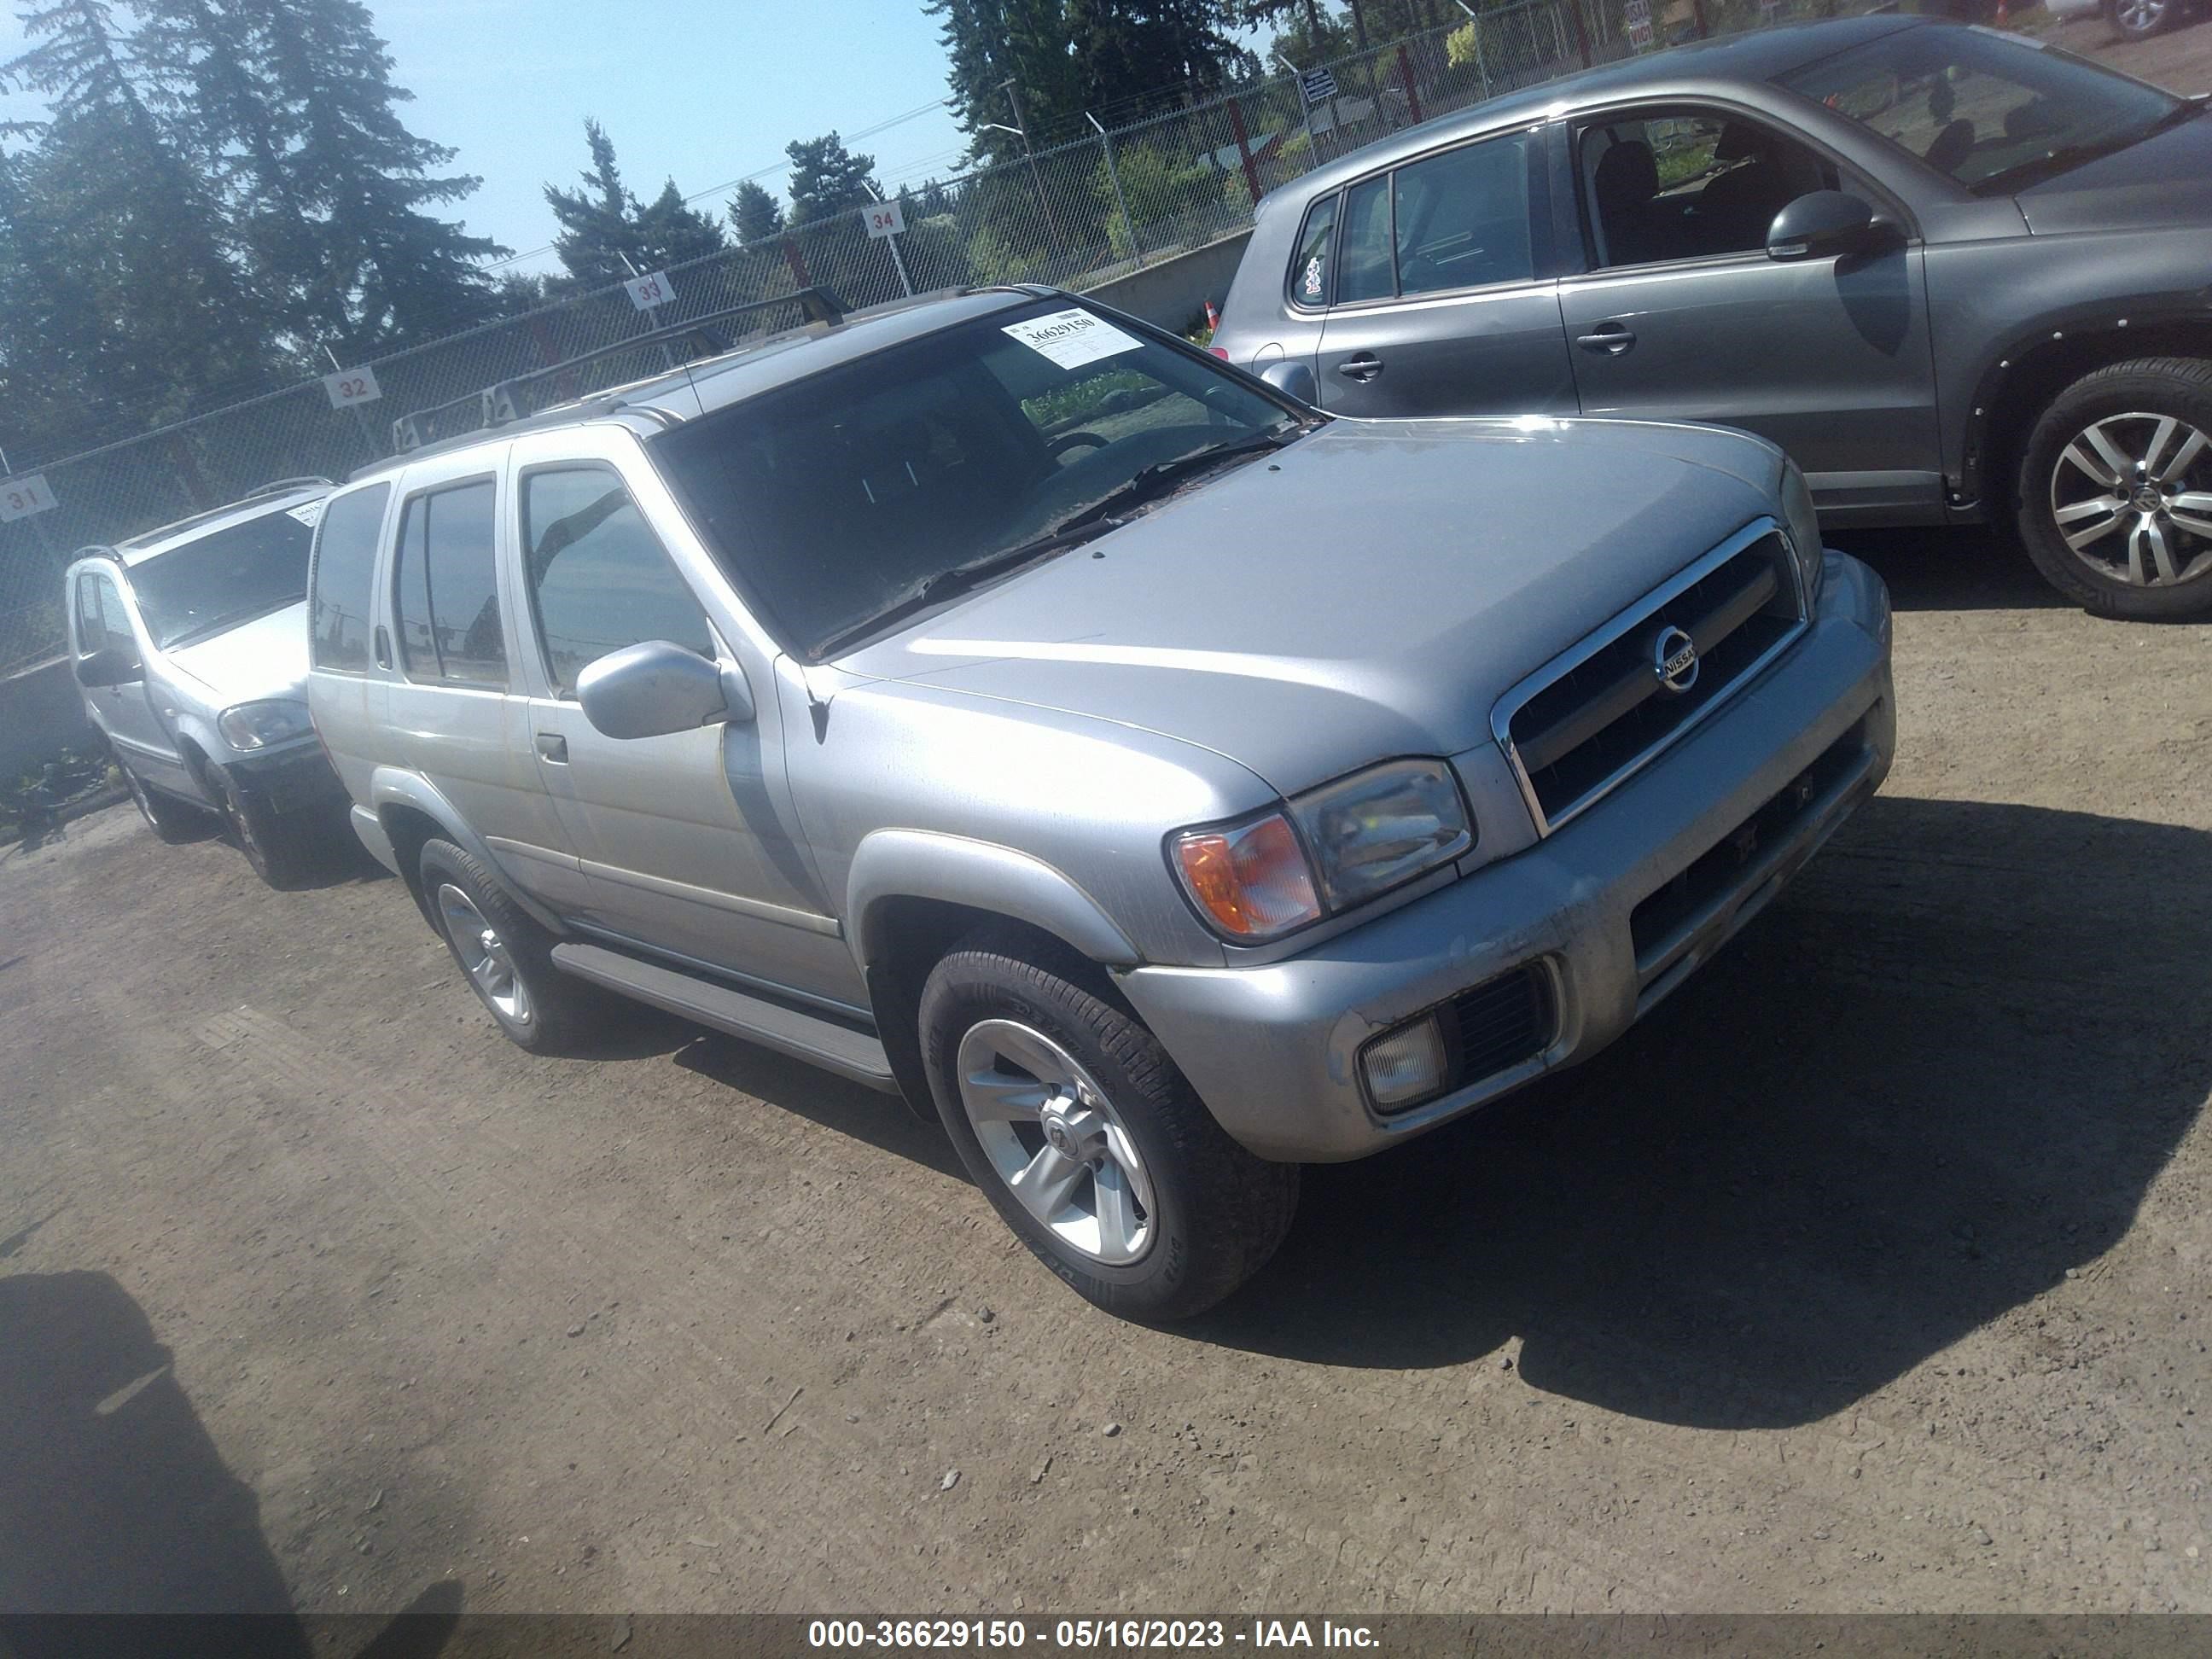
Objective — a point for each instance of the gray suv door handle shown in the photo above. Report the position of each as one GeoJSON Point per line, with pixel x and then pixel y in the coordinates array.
{"type": "Point", "coordinates": [1611, 339]}
{"type": "Point", "coordinates": [1365, 366]}
{"type": "Point", "coordinates": [552, 746]}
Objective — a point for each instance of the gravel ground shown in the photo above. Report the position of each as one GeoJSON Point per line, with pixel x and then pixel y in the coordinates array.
{"type": "Point", "coordinates": [1869, 1274]}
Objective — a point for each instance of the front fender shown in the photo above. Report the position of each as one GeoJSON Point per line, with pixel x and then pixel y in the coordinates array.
{"type": "Point", "coordinates": [895, 864]}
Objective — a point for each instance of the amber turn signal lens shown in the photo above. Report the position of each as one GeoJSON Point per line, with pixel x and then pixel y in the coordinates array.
{"type": "Point", "coordinates": [1252, 882]}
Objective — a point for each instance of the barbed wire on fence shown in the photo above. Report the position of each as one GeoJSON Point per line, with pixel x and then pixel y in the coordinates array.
{"type": "Point", "coordinates": [1076, 214]}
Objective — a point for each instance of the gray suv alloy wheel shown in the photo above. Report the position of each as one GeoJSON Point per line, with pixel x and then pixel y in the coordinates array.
{"type": "Point", "coordinates": [2127, 496]}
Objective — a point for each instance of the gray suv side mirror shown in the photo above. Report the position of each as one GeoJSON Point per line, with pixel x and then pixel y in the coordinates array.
{"type": "Point", "coordinates": [1815, 226]}
{"type": "Point", "coordinates": [109, 666]}
{"type": "Point", "coordinates": [651, 690]}
{"type": "Point", "coordinates": [1295, 377]}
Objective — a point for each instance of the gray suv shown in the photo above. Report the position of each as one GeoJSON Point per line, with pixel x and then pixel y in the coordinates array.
{"type": "Point", "coordinates": [190, 644]}
{"type": "Point", "coordinates": [1958, 276]}
{"type": "Point", "coordinates": [997, 702]}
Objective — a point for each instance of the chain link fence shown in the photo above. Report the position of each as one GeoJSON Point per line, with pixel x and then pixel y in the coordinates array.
{"type": "Point", "coordinates": [1076, 214]}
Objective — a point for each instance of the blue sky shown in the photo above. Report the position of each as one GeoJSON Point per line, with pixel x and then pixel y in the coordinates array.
{"type": "Point", "coordinates": [707, 93]}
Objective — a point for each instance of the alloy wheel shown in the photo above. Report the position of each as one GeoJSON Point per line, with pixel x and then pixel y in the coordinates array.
{"type": "Point", "coordinates": [2132, 497]}
{"type": "Point", "coordinates": [483, 954]}
{"type": "Point", "coordinates": [1055, 1141]}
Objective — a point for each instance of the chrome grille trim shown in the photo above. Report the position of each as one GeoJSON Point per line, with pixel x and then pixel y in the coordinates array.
{"type": "Point", "coordinates": [1503, 712]}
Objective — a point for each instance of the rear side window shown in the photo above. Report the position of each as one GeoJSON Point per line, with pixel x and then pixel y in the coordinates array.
{"type": "Point", "coordinates": [1309, 271]}
{"type": "Point", "coordinates": [1462, 217]}
{"type": "Point", "coordinates": [598, 577]}
{"type": "Point", "coordinates": [448, 594]}
{"type": "Point", "coordinates": [1363, 265]}
{"type": "Point", "coordinates": [344, 579]}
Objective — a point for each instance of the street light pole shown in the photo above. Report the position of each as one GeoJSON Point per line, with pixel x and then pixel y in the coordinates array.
{"type": "Point", "coordinates": [1120, 202]}
{"type": "Point", "coordinates": [1022, 126]}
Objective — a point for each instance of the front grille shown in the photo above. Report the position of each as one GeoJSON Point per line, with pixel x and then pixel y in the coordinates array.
{"type": "Point", "coordinates": [1593, 717]}
{"type": "Point", "coordinates": [1497, 1024]}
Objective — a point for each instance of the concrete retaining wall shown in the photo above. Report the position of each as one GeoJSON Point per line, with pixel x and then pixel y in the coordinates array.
{"type": "Point", "coordinates": [41, 712]}
{"type": "Point", "coordinates": [1172, 293]}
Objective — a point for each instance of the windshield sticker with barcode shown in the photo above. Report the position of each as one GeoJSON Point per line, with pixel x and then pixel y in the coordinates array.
{"type": "Point", "coordinates": [307, 512]}
{"type": "Point", "coordinates": [1072, 337]}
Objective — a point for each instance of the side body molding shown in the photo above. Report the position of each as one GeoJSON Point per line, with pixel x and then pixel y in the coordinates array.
{"type": "Point", "coordinates": [893, 863]}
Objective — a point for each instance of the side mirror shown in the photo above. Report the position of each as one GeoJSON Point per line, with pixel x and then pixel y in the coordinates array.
{"type": "Point", "coordinates": [1827, 221]}
{"type": "Point", "coordinates": [109, 666]}
{"type": "Point", "coordinates": [652, 690]}
{"type": "Point", "coordinates": [1293, 376]}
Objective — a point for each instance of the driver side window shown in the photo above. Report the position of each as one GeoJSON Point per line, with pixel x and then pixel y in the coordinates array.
{"type": "Point", "coordinates": [1688, 184]}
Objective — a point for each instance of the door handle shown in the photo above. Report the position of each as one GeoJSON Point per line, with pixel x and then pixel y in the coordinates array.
{"type": "Point", "coordinates": [1365, 366]}
{"type": "Point", "coordinates": [553, 747]}
{"type": "Point", "coordinates": [1609, 339]}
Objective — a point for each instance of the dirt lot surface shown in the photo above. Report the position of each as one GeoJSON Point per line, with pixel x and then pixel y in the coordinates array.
{"type": "Point", "coordinates": [2180, 59]}
{"type": "Point", "coordinates": [1870, 1273]}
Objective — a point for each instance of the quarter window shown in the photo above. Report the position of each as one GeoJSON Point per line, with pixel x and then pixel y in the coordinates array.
{"type": "Point", "coordinates": [449, 623]}
{"type": "Point", "coordinates": [343, 579]}
{"type": "Point", "coordinates": [1310, 271]}
{"type": "Point", "coordinates": [599, 579]}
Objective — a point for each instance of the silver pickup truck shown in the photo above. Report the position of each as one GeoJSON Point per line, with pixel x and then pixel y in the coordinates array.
{"type": "Point", "coordinates": [996, 700]}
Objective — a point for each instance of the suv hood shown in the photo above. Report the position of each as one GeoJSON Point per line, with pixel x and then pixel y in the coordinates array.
{"type": "Point", "coordinates": [1367, 591]}
{"type": "Point", "coordinates": [2167, 180]}
{"type": "Point", "coordinates": [264, 657]}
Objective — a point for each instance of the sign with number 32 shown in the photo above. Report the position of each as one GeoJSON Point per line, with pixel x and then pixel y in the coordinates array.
{"type": "Point", "coordinates": [349, 386]}
{"type": "Point", "coordinates": [21, 497]}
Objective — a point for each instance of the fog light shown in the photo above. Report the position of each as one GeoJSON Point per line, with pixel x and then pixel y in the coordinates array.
{"type": "Point", "coordinates": [1406, 1066]}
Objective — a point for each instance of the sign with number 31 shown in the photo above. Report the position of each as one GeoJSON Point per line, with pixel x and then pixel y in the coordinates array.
{"type": "Point", "coordinates": [21, 497]}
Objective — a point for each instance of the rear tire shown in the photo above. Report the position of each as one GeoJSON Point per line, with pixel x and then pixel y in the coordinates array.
{"type": "Point", "coordinates": [1086, 1138]}
{"type": "Point", "coordinates": [170, 819]}
{"type": "Point", "coordinates": [2115, 490]}
{"type": "Point", "coordinates": [2139, 20]}
{"type": "Point", "coordinates": [505, 956]}
{"type": "Point", "coordinates": [272, 843]}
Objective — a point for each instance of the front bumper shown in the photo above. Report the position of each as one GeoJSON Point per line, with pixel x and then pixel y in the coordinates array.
{"type": "Point", "coordinates": [297, 778]}
{"type": "Point", "coordinates": [1274, 1051]}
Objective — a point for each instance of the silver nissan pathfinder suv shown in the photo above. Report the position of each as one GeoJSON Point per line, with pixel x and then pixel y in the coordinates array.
{"type": "Point", "coordinates": [998, 702]}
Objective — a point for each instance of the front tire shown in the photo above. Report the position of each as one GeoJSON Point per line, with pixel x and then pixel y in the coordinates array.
{"type": "Point", "coordinates": [272, 843]}
{"type": "Point", "coordinates": [1086, 1136]}
{"type": "Point", "coordinates": [507, 957]}
{"type": "Point", "coordinates": [2115, 490]}
{"type": "Point", "coordinates": [2139, 20]}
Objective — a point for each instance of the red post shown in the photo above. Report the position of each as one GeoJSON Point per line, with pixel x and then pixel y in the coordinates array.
{"type": "Point", "coordinates": [797, 261]}
{"type": "Point", "coordinates": [1406, 76]}
{"type": "Point", "coordinates": [1244, 151]}
{"type": "Point", "coordinates": [1698, 16]}
{"type": "Point", "coordinates": [1581, 31]}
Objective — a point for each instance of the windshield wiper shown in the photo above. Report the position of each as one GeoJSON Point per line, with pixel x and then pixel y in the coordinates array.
{"type": "Point", "coordinates": [1083, 524]}
{"type": "Point", "coordinates": [2049, 165]}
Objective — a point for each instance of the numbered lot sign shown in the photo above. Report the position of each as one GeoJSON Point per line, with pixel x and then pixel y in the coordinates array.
{"type": "Point", "coordinates": [648, 291]}
{"type": "Point", "coordinates": [21, 497]}
{"type": "Point", "coordinates": [884, 219]}
{"type": "Point", "coordinates": [349, 386]}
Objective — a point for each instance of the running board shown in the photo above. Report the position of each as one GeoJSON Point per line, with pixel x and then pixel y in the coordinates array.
{"type": "Point", "coordinates": [810, 1037]}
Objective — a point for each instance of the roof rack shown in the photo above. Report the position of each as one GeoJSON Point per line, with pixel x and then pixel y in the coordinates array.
{"type": "Point", "coordinates": [280, 486]}
{"type": "Point", "coordinates": [503, 401]}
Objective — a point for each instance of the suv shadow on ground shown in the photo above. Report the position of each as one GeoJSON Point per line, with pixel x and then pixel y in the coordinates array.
{"type": "Point", "coordinates": [1966, 569]}
{"type": "Point", "coordinates": [117, 1503]}
{"type": "Point", "coordinates": [1935, 1078]}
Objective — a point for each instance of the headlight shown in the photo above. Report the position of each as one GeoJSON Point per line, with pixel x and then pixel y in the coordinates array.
{"type": "Point", "coordinates": [257, 724]}
{"type": "Point", "coordinates": [1376, 829]}
{"type": "Point", "coordinates": [1333, 849]}
{"type": "Point", "coordinates": [1804, 527]}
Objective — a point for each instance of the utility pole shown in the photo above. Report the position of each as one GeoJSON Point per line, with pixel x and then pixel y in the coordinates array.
{"type": "Point", "coordinates": [1480, 67]}
{"type": "Point", "coordinates": [1121, 202]}
{"type": "Point", "coordinates": [1022, 126]}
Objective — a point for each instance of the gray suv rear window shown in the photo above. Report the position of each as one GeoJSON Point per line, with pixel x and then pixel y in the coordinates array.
{"type": "Point", "coordinates": [449, 621]}
{"type": "Point", "coordinates": [344, 575]}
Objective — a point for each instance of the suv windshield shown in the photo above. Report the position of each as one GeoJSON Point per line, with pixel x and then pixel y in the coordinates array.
{"type": "Point", "coordinates": [219, 579]}
{"type": "Point", "coordinates": [871, 490]}
{"type": "Point", "coordinates": [1994, 111]}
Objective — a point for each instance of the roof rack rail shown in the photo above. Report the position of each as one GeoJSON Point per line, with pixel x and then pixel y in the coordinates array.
{"type": "Point", "coordinates": [278, 486]}
{"type": "Point", "coordinates": [502, 401]}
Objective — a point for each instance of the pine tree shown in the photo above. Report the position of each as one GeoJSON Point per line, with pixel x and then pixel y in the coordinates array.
{"type": "Point", "coordinates": [596, 233]}
{"type": "Point", "coordinates": [757, 215]}
{"type": "Point", "coordinates": [669, 232]}
{"type": "Point", "coordinates": [827, 179]}
{"type": "Point", "coordinates": [988, 42]}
